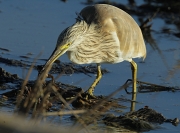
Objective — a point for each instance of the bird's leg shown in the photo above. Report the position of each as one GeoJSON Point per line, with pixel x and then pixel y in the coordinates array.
{"type": "Point", "coordinates": [98, 77]}
{"type": "Point", "coordinates": [134, 75]}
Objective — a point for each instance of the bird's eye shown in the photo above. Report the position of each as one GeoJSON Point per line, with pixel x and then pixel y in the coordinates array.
{"type": "Point", "coordinates": [68, 44]}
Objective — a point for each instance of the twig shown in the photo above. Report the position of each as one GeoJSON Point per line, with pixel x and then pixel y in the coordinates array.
{"type": "Point", "coordinates": [64, 112]}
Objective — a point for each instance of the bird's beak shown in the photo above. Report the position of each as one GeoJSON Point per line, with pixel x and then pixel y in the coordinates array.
{"type": "Point", "coordinates": [54, 56]}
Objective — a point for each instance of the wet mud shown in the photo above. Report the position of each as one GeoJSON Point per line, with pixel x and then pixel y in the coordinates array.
{"type": "Point", "coordinates": [144, 119]}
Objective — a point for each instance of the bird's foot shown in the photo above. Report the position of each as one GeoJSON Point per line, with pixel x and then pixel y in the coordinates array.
{"type": "Point", "coordinates": [89, 93]}
{"type": "Point", "coordinates": [89, 96]}
{"type": "Point", "coordinates": [85, 100]}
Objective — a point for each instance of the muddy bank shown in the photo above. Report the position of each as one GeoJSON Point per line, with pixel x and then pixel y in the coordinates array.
{"type": "Point", "coordinates": [56, 95]}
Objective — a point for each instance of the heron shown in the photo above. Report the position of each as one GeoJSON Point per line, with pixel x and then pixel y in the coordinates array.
{"type": "Point", "coordinates": [101, 34]}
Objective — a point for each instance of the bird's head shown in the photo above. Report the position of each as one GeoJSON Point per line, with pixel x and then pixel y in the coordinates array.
{"type": "Point", "coordinates": [67, 41]}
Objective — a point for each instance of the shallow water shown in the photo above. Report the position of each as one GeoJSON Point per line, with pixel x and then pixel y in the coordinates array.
{"type": "Point", "coordinates": [33, 27]}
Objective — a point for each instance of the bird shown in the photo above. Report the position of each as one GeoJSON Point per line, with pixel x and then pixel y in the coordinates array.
{"type": "Point", "coordinates": [101, 34]}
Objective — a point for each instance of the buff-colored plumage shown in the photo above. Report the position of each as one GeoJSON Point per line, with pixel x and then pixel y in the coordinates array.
{"type": "Point", "coordinates": [121, 25]}
{"type": "Point", "coordinates": [102, 34]}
